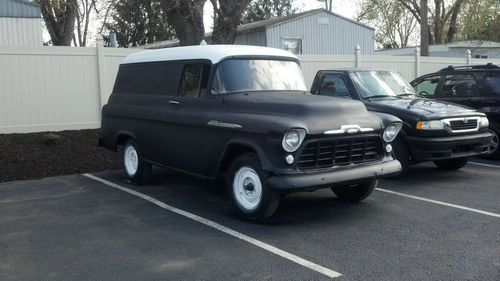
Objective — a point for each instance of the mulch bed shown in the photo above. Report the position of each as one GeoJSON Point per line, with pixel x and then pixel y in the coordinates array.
{"type": "Point", "coordinates": [39, 155]}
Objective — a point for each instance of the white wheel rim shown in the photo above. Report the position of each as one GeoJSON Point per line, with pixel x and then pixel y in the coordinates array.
{"type": "Point", "coordinates": [131, 160]}
{"type": "Point", "coordinates": [494, 142]}
{"type": "Point", "coordinates": [247, 188]}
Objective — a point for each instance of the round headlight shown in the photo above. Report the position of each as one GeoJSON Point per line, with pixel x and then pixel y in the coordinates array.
{"type": "Point", "coordinates": [391, 132]}
{"type": "Point", "coordinates": [483, 122]}
{"type": "Point", "coordinates": [292, 139]}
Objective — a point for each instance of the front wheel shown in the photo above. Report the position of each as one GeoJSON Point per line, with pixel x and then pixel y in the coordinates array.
{"type": "Point", "coordinates": [451, 164]}
{"type": "Point", "coordinates": [494, 149]}
{"type": "Point", "coordinates": [355, 192]}
{"type": "Point", "coordinates": [247, 183]}
{"type": "Point", "coordinates": [136, 169]}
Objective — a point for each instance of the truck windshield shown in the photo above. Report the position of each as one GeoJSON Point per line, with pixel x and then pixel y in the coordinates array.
{"type": "Point", "coordinates": [375, 84]}
{"type": "Point", "coordinates": [244, 75]}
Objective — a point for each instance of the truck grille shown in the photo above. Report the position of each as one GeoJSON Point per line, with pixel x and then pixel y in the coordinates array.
{"type": "Point", "coordinates": [329, 153]}
{"type": "Point", "coordinates": [458, 125]}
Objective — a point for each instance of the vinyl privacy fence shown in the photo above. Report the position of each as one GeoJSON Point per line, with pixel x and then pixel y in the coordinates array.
{"type": "Point", "coordinates": [63, 88]}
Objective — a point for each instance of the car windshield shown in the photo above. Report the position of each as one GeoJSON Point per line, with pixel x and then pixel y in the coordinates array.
{"type": "Point", "coordinates": [246, 75]}
{"type": "Point", "coordinates": [374, 84]}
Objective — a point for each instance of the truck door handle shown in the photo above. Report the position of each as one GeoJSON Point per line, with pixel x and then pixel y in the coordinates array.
{"type": "Point", "coordinates": [173, 102]}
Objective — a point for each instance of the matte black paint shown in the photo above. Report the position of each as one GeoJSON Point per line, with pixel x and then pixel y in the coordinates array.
{"type": "Point", "coordinates": [177, 132]}
{"type": "Point", "coordinates": [424, 146]}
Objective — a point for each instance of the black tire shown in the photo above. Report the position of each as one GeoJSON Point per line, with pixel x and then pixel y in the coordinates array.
{"type": "Point", "coordinates": [247, 167]}
{"type": "Point", "coordinates": [451, 164]}
{"type": "Point", "coordinates": [401, 153]}
{"type": "Point", "coordinates": [494, 152]}
{"type": "Point", "coordinates": [143, 171]}
{"type": "Point", "coordinates": [355, 192]}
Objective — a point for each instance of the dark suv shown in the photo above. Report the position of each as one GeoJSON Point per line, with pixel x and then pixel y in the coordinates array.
{"type": "Point", "coordinates": [477, 86]}
{"type": "Point", "coordinates": [244, 112]}
{"type": "Point", "coordinates": [437, 131]}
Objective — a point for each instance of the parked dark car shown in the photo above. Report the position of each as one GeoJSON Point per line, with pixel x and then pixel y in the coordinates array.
{"type": "Point", "coordinates": [437, 131]}
{"type": "Point", "coordinates": [244, 112]}
{"type": "Point", "coordinates": [477, 86]}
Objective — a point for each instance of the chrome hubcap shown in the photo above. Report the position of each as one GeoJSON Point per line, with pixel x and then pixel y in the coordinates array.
{"type": "Point", "coordinates": [247, 188]}
{"type": "Point", "coordinates": [494, 142]}
{"type": "Point", "coordinates": [131, 160]}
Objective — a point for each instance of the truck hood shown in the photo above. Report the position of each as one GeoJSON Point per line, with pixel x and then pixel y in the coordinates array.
{"type": "Point", "coordinates": [316, 114]}
{"type": "Point", "coordinates": [421, 108]}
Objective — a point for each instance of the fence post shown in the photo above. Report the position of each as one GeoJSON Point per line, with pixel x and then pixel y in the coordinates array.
{"type": "Point", "coordinates": [101, 71]}
{"type": "Point", "coordinates": [468, 54]}
{"type": "Point", "coordinates": [357, 55]}
{"type": "Point", "coordinates": [417, 62]}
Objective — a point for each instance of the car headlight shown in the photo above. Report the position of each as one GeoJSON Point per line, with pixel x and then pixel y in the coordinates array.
{"type": "Point", "coordinates": [483, 122]}
{"type": "Point", "coordinates": [430, 125]}
{"type": "Point", "coordinates": [391, 131]}
{"type": "Point", "coordinates": [293, 139]}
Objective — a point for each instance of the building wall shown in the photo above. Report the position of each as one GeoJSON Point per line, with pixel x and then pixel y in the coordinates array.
{"type": "Point", "coordinates": [323, 34]}
{"type": "Point", "coordinates": [20, 31]}
{"type": "Point", "coordinates": [257, 38]}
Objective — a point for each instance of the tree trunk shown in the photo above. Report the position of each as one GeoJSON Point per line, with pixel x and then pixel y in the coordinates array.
{"type": "Point", "coordinates": [186, 17]}
{"type": "Point", "coordinates": [229, 13]}
{"type": "Point", "coordinates": [424, 29]}
{"type": "Point", "coordinates": [59, 18]}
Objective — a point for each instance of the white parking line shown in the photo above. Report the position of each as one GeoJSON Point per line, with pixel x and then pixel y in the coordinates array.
{"type": "Point", "coordinates": [484, 164]}
{"type": "Point", "coordinates": [291, 257]}
{"type": "Point", "coordinates": [439, 203]}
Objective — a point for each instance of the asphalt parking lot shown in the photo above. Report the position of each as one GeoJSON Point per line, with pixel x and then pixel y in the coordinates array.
{"type": "Point", "coordinates": [429, 226]}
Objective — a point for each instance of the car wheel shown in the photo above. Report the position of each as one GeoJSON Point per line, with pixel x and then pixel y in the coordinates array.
{"type": "Point", "coordinates": [136, 169]}
{"type": "Point", "coordinates": [451, 164]}
{"type": "Point", "coordinates": [355, 192]}
{"type": "Point", "coordinates": [401, 153]}
{"type": "Point", "coordinates": [247, 183]}
{"type": "Point", "coordinates": [494, 151]}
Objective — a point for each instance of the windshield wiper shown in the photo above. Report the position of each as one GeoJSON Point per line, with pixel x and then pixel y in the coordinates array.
{"type": "Point", "coordinates": [378, 96]}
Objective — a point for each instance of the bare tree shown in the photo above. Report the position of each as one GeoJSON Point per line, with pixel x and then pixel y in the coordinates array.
{"type": "Point", "coordinates": [59, 17]}
{"type": "Point", "coordinates": [186, 17]}
{"type": "Point", "coordinates": [83, 15]}
{"type": "Point", "coordinates": [444, 17]}
{"type": "Point", "coordinates": [394, 24]}
{"type": "Point", "coordinates": [328, 4]}
{"type": "Point", "coordinates": [228, 17]}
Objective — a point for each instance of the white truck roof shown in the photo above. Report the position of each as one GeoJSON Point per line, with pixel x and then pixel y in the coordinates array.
{"type": "Point", "coordinates": [214, 53]}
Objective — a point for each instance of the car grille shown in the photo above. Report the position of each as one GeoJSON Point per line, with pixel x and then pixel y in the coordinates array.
{"type": "Point", "coordinates": [458, 125]}
{"type": "Point", "coordinates": [329, 153]}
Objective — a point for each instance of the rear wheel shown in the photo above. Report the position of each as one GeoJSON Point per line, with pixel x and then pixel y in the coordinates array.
{"type": "Point", "coordinates": [451, 164]}
{"type": "Point", "coordinates": [355, 192]}
{"type": "Point", "coordinates": [494, 150]}
{"type": "Point", "coordinates": [247, 183]}
{"type": "Point", "coordinates": [136, 169]}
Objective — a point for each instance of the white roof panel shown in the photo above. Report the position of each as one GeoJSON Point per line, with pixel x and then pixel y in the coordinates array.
{"type": "Point", "coordinates": [214, 53]}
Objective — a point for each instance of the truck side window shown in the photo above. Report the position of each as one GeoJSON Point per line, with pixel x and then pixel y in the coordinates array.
{"type": "Point", "coordinates": [427, 86]}
{"type": "Point", "coordinates": [333, 86]}
{"type": "Point", "coordinates": [459, 86]}
{"type": "Point", "coordinates": [194, 79]}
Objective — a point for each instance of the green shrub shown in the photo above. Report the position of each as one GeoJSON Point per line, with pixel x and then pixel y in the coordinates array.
{"type": "Point", "coordinates": [51, 139]}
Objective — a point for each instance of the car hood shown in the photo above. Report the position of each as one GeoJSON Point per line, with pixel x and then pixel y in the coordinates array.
{"type": "Point", "coordinates": [316, 114]}
{"type": "Point", "coordinates": [421, 108]}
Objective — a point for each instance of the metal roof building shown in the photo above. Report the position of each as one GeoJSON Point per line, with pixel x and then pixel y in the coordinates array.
{"type": "Point", "coordinates": [314, 32]}
{"type": "Point", "coordinates": [20, 23]}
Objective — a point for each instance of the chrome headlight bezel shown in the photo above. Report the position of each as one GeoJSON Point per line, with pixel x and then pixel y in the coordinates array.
{"type": "Point", "coordinates": [292, 139]}
{"type": "Point", "coordinates": [430, 125]}
{"type": "Point", "coordinates": [391, 131]}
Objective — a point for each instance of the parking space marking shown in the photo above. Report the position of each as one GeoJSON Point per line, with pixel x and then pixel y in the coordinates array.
{"type": "Point", "coordinates": [439, 202]}
{"type": "Point", "coordinates": [484, 164]}
{"type": "Point", "coordinates": [291, 257]}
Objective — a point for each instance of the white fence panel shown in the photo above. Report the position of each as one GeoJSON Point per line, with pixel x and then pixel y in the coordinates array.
{"type": "Point", "coordinates": [61, 88]}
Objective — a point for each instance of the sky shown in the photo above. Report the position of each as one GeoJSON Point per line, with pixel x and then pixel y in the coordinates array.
{"type": "Point", "coordinates": [346, 8]}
